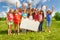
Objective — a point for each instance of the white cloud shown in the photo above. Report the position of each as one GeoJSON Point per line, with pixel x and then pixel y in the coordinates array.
{"type": "Point", "coordinates": [33, 2]}
{"type": "Point", "coordinates": [7, 8]}
{"type": "Point", "coordinates": [2, 14]}
{"type": "Point", "coordinates": [12, 2]}
{"type": "Point", "coordinates": [53, 14]}
{"type": "Point", "coordinates": [25, 4]}
{"type": "Point", "coordinates": [4, 6]}
{"type": "Point", "coordinates": [44, 9]}
{"type": "Point", "coordinates": [30, 1]}
{"type": "Point", "coordinates": [44, 1]}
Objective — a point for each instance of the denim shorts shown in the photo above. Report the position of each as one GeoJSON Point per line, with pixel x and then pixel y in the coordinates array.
{"type": "Point", "coordinates": [48, 23]}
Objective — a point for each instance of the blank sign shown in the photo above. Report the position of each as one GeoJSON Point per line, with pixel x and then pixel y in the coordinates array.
{"type": "Point", "coordinates": [29, 24]}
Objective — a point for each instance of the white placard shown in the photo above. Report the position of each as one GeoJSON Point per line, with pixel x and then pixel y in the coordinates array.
{"type": "Point", "coordinates": [29, 24]}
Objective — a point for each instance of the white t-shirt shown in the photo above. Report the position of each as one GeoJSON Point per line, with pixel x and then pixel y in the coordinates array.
{"type": "Point", "coordinates": [31, 17]}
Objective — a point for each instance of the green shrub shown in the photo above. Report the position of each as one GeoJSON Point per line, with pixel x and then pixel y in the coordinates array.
{"type": "Point", "coordinates": [57, 16]}
{"type": "Point", "coordinates": [2, 19]}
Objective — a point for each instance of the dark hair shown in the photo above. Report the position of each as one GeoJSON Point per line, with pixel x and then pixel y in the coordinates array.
{"type": "Point", "coordinates": [42, 13]}
{"type": "Point", "coordinates": [14, 11]}
{"type": "Point", "coordinates": [29, 13]}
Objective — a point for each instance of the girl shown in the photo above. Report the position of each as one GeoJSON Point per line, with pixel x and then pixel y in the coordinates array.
{"type": "Point", "coordinates": [35, 16]}
{"type": "Point", "coordinates": [9, 20]}
{"type": "Point", "coordinates": [41, 20]}
{"type": "Point", "coordinates": [48, 18]}
{"type": "Point", "coordinates": [20, 13]}
{"type": "Point", "coordinates": [16, 17]}
{"type": "Point", "coordinates": [24, 16]}
{"type": "Point", "coordinates": [30, 16]}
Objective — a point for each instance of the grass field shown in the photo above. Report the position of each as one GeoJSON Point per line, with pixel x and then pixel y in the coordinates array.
{"type": "Point", "coordinates": [54, 35]}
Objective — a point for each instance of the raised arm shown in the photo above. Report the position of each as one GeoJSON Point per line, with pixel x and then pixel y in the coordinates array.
{"type": "Point", "coordinates": [23, 6]}
{"type": "Point", "coordinates": [29, 5]}
{"type": "Point", "coordinates": [16, 5]}
{"type": "Point", "coordinates": [52, 8]}
{"type": "Point", "coordinates": [46, 8]}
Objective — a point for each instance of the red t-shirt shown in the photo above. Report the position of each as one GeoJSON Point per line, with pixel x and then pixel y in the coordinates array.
{"type": "Point", "coordinates": [16, 18]}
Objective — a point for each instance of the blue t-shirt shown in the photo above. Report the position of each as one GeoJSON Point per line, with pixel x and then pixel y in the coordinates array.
{"type": "Point", "coordinates": [48, 17]}
{"type": "Point", "coordinates": [24, 15]}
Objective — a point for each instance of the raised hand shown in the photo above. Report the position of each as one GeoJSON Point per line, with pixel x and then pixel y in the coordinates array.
{"type": "Point", "coordinates": [46, 8]}
{"type": "Point", "coordinates": [52, 8]}
{"type": "Point", "coordinates": [16, 5]}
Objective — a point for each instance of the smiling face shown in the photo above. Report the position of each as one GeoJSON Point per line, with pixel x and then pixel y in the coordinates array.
{"type": "Point", "coordinates": [41, 12]}
{"type": "Point", "coordinates": [15, 11]}
{"type": "Point", "coordinates": [11, 11]}
{"type": "Point", "coordinates": [48, 11]}
{"type": "Point", "coordinates": [20, 10]}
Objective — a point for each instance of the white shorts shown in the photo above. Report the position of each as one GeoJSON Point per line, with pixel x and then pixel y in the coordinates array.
{"type": "Point", "coordinates": [10, 23]}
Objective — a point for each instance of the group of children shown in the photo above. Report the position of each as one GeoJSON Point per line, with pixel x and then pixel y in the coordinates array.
{"type": "Point", "coordinates": [15, 17]}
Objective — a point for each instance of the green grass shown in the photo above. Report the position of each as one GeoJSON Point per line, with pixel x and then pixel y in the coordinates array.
{"type": "Point", "coordinates": [54, 35]}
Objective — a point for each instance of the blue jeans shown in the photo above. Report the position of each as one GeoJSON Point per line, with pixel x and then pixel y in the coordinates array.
{"type": "Point", "coordinates": [40, 26]}
{"type": "Point", "coordinates": [48, 23]}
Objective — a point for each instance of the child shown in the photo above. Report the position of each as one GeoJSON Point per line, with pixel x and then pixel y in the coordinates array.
{"type": "Point", "coordinates": [20, 13]}
{"type": "Point", "coordinates": [35, 16]}
{"type": "Point", "coordinates": [48, 18]}
{"type": "Point", "coordinates": [30, 16]}
{"type": "Point", "coordinates": [24, 16]}
{"type": "Point", "coordinates": [9, 20]}
{"type": "Point", "coordinates": [16, 17]}
{"type": "Point", "coordinates": [41, 20]}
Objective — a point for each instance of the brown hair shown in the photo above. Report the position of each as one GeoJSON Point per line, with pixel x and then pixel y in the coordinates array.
{"type": "Point", "coordinates": [20, 10]}
{"type": "Point", "coordinates": [30, 11]}
{"type": "Point", "coordinates": [49, 11]}
{"type": "Point", "coordinates": [42, 13]}
{"type": "Point", "coordinates": [14, 11]}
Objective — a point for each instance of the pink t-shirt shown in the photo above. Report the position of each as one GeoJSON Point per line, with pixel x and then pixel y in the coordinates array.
{"type": "Point", "coordinates": [36, 17]}
{"type": "Point", "coordinates": [10, 17]}
{"type": "Point", "coordinates": [20, 13]}
{"type": "Point", "coordinates": [40, 18]}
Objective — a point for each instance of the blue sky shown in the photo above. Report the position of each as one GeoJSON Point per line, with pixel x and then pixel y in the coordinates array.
{"type": "Point", "coordinates": [6, 4]}
{"type": "Point", "coordinates": [49, 3]}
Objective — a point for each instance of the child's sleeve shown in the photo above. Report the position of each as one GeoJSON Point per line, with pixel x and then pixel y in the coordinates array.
{"type": "Point", "coordinates": [22, 14]}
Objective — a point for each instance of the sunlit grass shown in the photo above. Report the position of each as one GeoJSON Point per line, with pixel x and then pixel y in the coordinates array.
{"type": "Point", "coordinates": [54, 35]}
